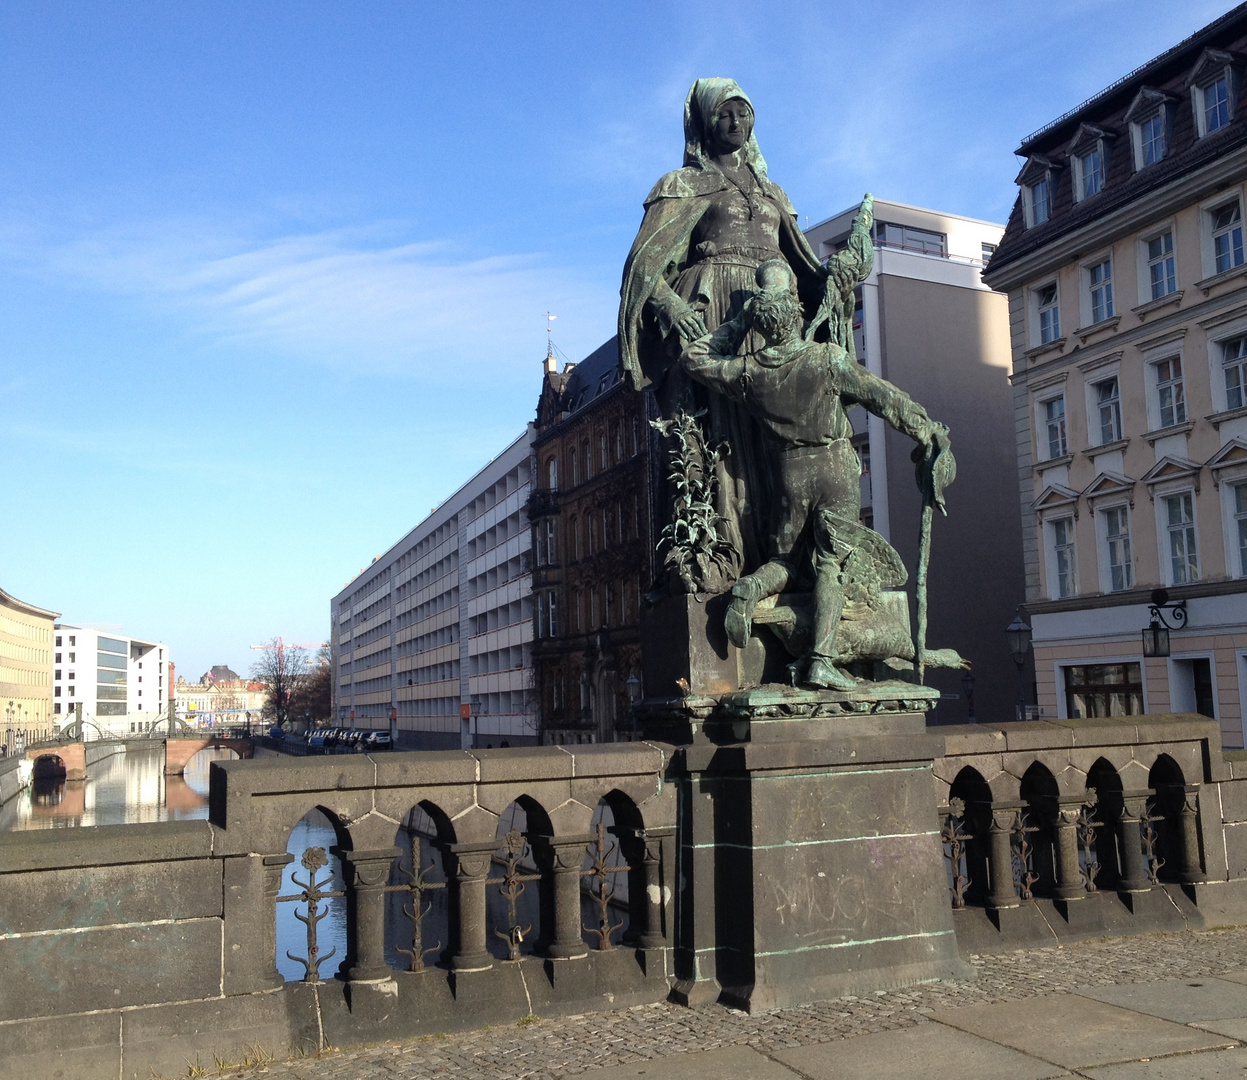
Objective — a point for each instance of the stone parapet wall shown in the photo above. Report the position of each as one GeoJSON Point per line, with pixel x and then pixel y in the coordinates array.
{"type": "Point", "coordinates": [134, 950]}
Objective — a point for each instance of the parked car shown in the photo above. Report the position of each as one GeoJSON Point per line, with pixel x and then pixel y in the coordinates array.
{"type": "Point", "coordinates": [276, 732]}
{"type": "Point", "coordinates": [316, 740]}
{"type": "Point", "coordinates": [379, 740]}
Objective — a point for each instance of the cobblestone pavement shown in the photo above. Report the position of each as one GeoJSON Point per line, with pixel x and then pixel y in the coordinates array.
{"type": "Point", "coordinates": [567, 1046]}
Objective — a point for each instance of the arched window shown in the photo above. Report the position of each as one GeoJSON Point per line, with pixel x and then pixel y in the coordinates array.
{"type": "Point", "coordinates": [603, 459]}
{"type": "Point", "coordinates": [552, 473]}
{"type": "Point", "coordinates": [619, 450]}
{"type": "Point", "coordinates": [573, 531]}
{"type": "Point", "coordinates": [588, 460]}
{"type": "Point", "coordinates": [575, 468]}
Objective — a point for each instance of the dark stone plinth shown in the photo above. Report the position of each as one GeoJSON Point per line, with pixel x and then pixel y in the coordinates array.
{"type": "Point", "coordinates": [816, 866]}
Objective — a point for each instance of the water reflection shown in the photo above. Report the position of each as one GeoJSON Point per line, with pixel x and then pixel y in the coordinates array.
{"type": "Point", "coordinates": [126, 788]}
{"type": "Point", "coordinates": [314, 830]}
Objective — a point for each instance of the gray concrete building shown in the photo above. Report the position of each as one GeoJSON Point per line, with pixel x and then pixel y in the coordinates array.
{"type": "Point", "coordinates": [434, 639]}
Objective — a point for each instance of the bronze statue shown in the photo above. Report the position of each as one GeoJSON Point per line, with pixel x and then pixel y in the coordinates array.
{"type": "Point", "coordinates": [798, 390]}
{"type": "Point", "coordinates": [745, 338]}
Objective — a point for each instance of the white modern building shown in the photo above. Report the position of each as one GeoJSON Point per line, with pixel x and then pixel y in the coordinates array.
{"type": "Point", "coordinates": [118, 681]}
{"type": "Point", "coordinates": [927, 322]}
{"type": "Point", "coordinates": [434, 638]}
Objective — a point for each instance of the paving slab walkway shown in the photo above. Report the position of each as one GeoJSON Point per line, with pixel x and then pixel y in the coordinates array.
{"type": "Point", "coordinates": [1160, 1007]}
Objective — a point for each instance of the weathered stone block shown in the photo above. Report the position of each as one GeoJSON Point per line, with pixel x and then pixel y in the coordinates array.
{"type": "Point", "coordinates": [103, 845]}
{"type": "Point", "coordinates": [113, 967]}
{"type": "Point", "coordinates": [168, 1040]}
{"type": "Point", "coordinates": [138, 892]}
{"type": "Point", "coordinates": [59, 1048]}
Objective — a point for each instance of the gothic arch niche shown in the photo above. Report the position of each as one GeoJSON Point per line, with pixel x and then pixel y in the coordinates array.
{"type": "Point", "coordinates": [1103, 777]}
{"type": "Point", "coordinates": [974, 791]}
{"type": "Point", "coordinates": [1166, 805]}
{"type": "Point", "coordinates": [319, 950]}
{"type": "Point", "coordinates": [613, 874]}
{"type": "Point", "coordinates": [1039, 792]}
{"type": "Point", "coordinates": [421, 918]}
{"type": "Point", "coordinates": [519, 900]}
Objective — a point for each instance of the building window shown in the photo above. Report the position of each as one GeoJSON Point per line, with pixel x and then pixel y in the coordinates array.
{"type": "Point", "coordinates": [1104, 690]}
{"type": "Point", "coordinates": [1100, 282]}
{"type": "Point", "coordinates": [1180, 528]}
{"type": "Point", "coordinates": [619, 446]}
{"type": "Point", "coordinates": [56, 691]}
{"type": "Point", "coordinates": [603, 459]}
{"type": "Point", "coordinates": [1108, 409]}
{"type": "Point", "coordinates": [57, 675]}
{"type": "Point", "coordinates": [1234, 359]}
{"type": "Point", "coordinates": [552, 474]}
{"type": "Point", "coordinates": [1240, 525]}
{"type": "Point", "coordinates": [575, 468]}
{"type": "Point", "coordinates": [587, 458]}
{"type": "Point", "coordinates": [551, 542]}
{"type": "Point", "coordinates": [636, 436]}
{"type": "Point", "coordinates": [577, 605]}
{"type": "Point", "coordinates": [1117, 543]}
{"type": "Point", "coordinates": [1227, 237]}
{"type": "Point", "coordinates": [1054, 426]}
{"type": "Point", "coordinates": [1160, 265]}
{"type": "Point", "coordinates": [1039, 200]}
{"type": "Point", "coordinates": [1170, 392]}
{"type": "Point", "coordinates": [1151, 140]}
{"type": "Point", "coordinates": [573, 530]}
{"type": "Point", "coordinates": [907, 238]}
{"type": "Point", "coordinates": [1049, 314]}
{"type": "Point", "coordinates": [552, 607]}
{"type": "Point", "coordinates": [1064, 557]}
{"type": "Point", "coordinates": [988, 251]}
{"type": "Point", "coordinates": [1090, 170]}
{"type": "Point", "coordinates": [56, 707]}
{"type": "Point", "coordinates": [1214, 105]}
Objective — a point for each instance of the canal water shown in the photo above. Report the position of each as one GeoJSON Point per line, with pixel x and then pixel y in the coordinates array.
{"type": "Point", "coordinates": [131, 788]}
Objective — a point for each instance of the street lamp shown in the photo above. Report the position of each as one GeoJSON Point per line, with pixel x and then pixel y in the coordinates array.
{"type": "Point", "coordinates": [476, 720]}
{"type": "Point", "coordinates": [967, 684]}
{"type": "Point", "coordinates": [1018, 634]}
{"type": "Point", "coordinates": [634, 695]}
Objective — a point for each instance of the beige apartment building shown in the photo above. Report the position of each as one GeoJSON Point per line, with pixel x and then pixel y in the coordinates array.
{"type": "Point", "coordinates": [1124, 266]}
{"type": "Point", "coordinates": [25, 668]}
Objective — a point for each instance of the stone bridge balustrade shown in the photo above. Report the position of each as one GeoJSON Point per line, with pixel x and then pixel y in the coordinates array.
{"type": "Point", "coordinates": [467, 796]}
{"type": "Point", "coordinates": [1108, 808]}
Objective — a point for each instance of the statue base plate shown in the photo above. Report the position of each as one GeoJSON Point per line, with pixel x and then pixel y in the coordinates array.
{"type": "Point", "coordinates": [777, 712]}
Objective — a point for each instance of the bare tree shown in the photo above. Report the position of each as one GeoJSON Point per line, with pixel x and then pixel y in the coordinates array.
{"type": "Point", "coordinates": [280, 669]}
{"type": "Point", "coordinates": [312, 693]}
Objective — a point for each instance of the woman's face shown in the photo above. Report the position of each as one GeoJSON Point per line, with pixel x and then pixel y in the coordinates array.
{"type": "Point", "coordinates": [732, 125]}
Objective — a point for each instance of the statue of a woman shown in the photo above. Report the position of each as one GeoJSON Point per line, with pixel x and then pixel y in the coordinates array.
{"type": "Point", "coordinates": [708, 227]}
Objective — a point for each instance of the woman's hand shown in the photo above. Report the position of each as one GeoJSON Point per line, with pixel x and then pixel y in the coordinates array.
{"type": "Point", "coordinates": [690, 324]}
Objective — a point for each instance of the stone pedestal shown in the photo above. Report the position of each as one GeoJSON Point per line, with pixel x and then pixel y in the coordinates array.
{"type": "Point", "coordinates": [811, 865]}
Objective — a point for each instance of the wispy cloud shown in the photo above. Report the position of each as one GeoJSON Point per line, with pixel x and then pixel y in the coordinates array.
{"type": "Point", "coordinates": [345, 298]}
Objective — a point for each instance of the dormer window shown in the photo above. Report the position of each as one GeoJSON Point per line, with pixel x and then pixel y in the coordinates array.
{"type": "Point", "coordinates": [1212, 85]}
{"type": "Point", "coordinates": [1149, 117]}
{"type": "Point", "coordinates": [1040, 196]}
{"type": "Point", "coordinates": [1036, 180]}
{"type": "Point", "coordinates": [1088, 150]}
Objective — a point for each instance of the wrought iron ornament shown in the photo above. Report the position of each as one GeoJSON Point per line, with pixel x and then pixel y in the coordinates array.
{"type": "Point", "coordinates": [312, 892]}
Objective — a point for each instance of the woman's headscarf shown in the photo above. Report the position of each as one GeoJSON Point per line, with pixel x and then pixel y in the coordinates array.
{"type": "Point", "coordinates": [702, 105]}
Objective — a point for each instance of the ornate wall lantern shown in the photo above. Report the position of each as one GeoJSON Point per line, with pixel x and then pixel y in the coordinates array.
{"type": "Point", "coordinates": [1156, 634]}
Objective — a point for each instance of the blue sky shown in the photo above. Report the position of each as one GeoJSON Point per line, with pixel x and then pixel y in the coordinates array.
{"type": "Point", "coordinates": [273, 277]}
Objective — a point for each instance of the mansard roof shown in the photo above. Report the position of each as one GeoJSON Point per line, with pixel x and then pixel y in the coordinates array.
{"type": "Point", "coordinates": [1112, 111]}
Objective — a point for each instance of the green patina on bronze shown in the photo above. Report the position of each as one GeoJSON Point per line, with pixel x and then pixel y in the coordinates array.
{"type": "Point", "coordinates": [745, 339]}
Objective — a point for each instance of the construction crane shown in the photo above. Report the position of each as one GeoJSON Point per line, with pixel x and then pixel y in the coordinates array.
{"type": "Point", "coordinates": [281, 648]}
